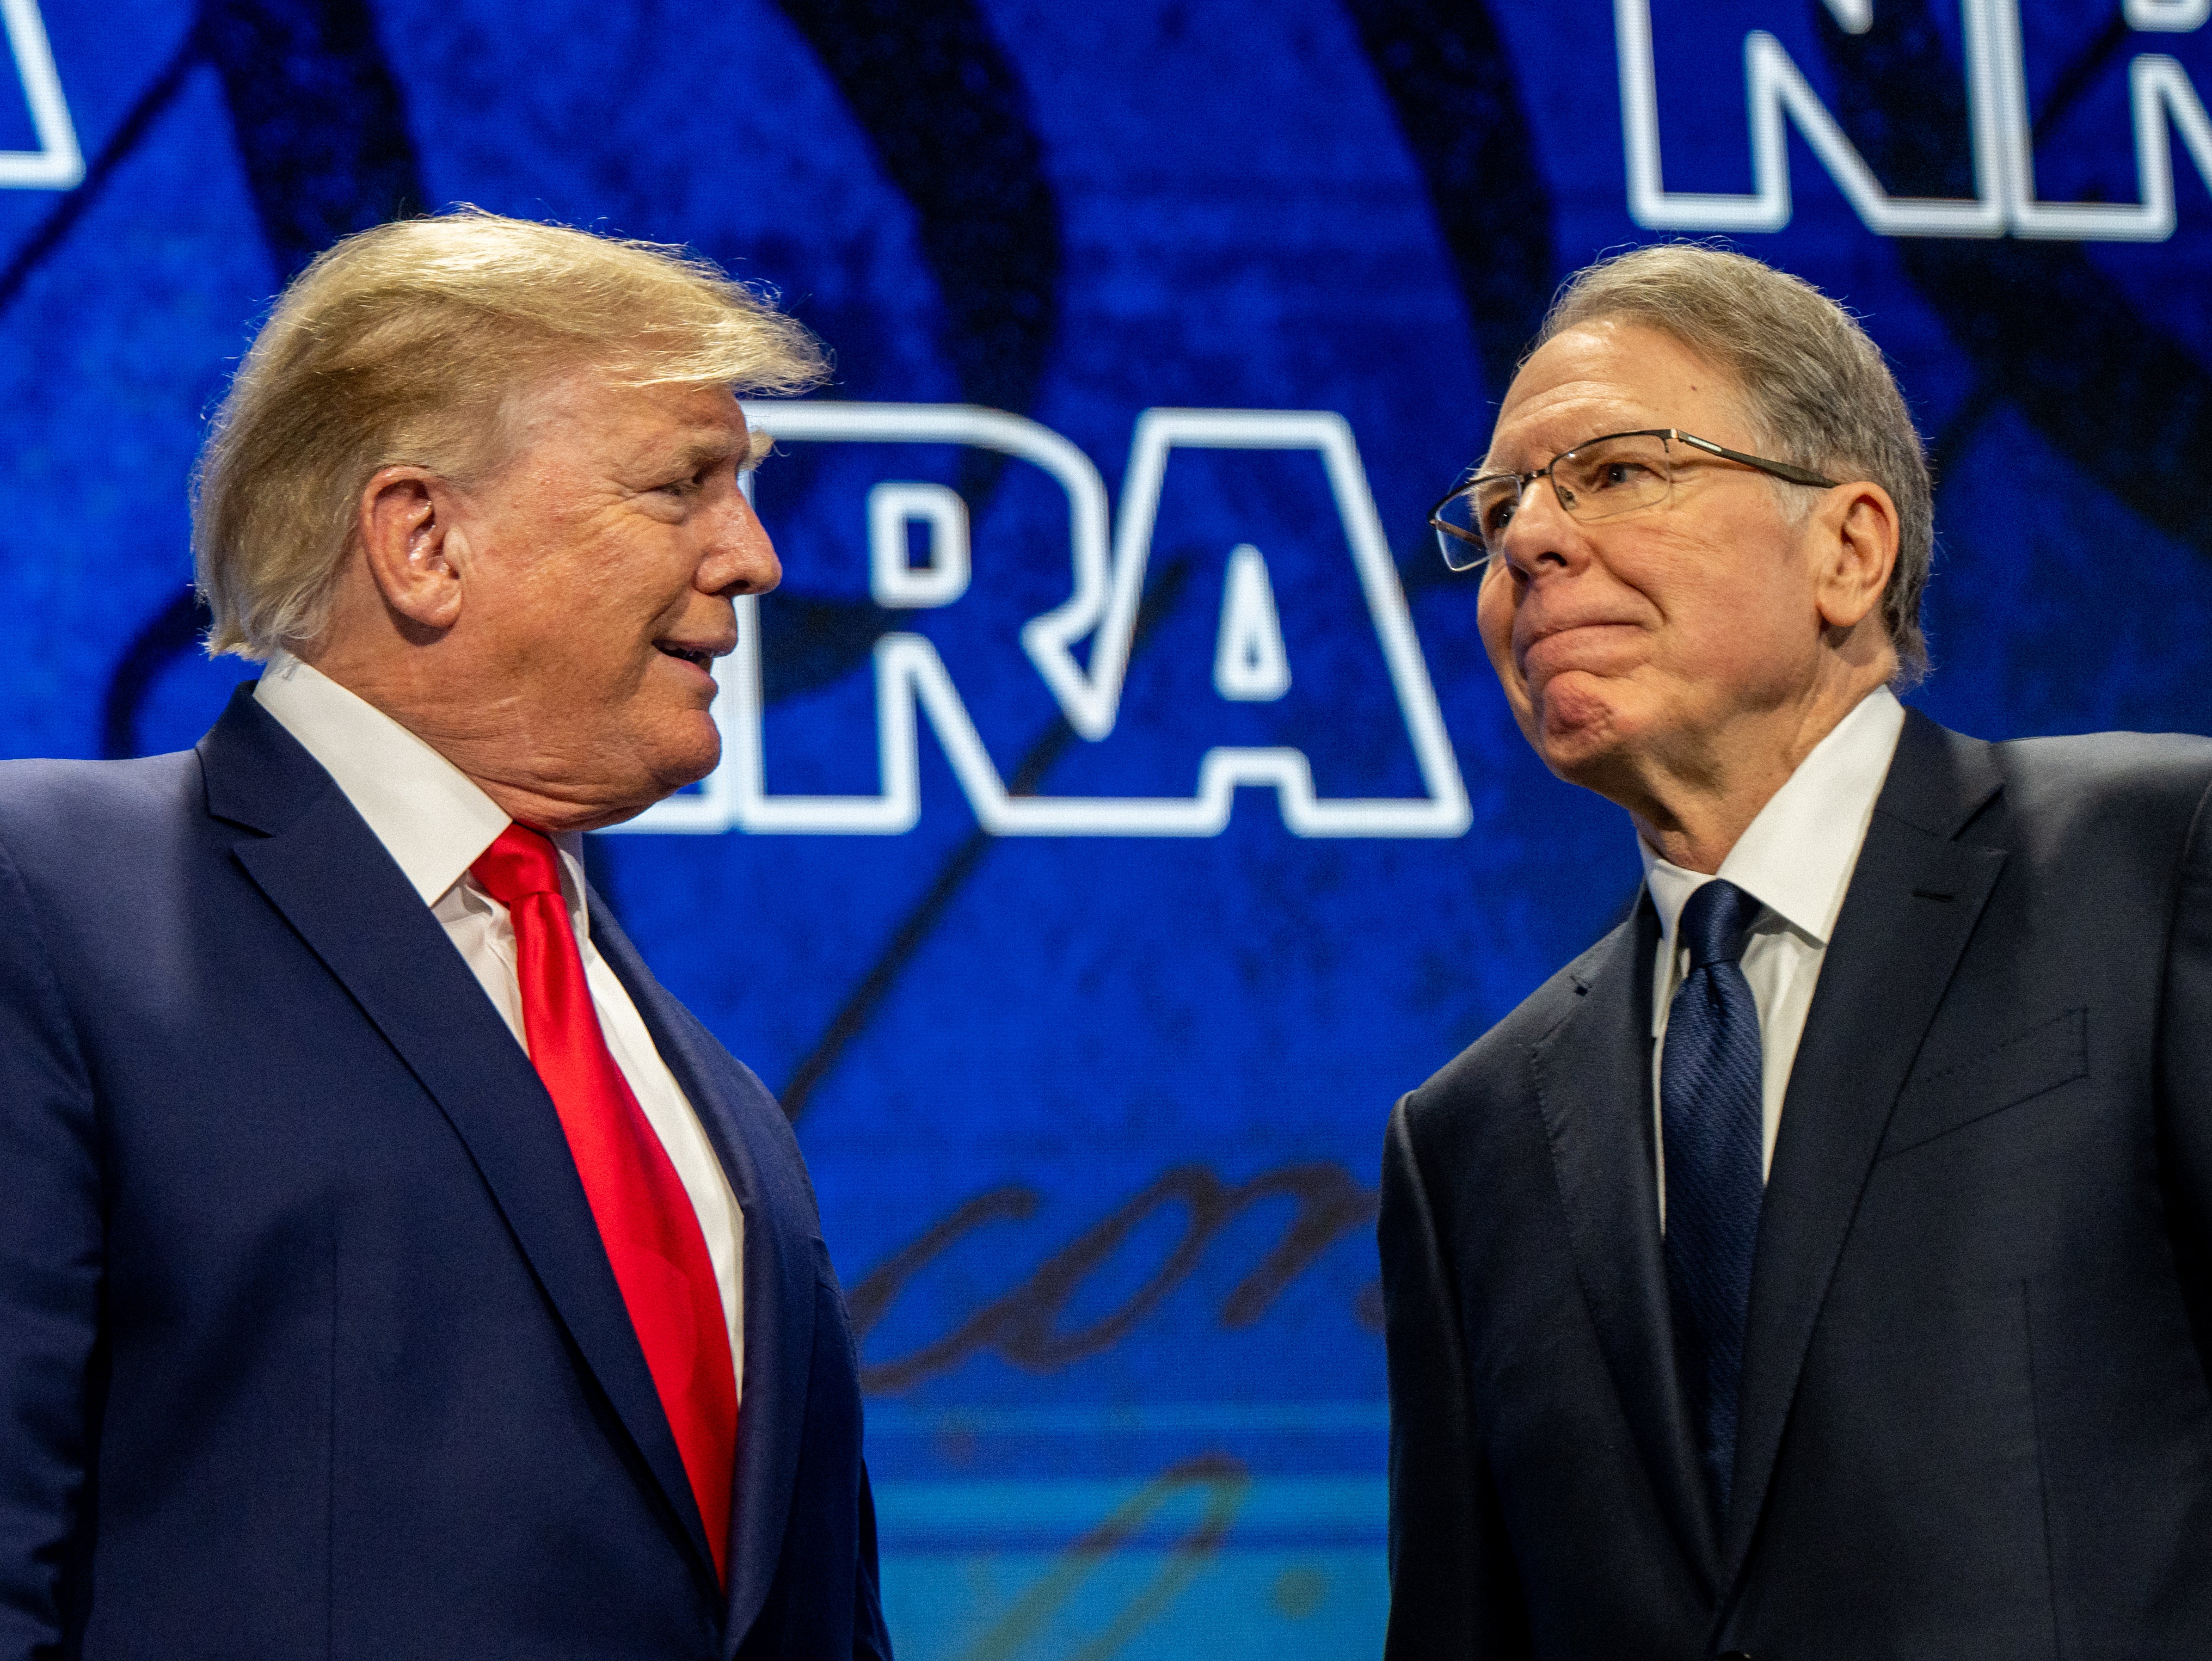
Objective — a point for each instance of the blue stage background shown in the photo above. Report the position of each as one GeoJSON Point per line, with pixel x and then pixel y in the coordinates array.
{"type": "Point", "coordinates": [1092, 1062]}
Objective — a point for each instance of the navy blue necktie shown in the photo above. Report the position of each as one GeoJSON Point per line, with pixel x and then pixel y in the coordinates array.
{"type": "Point", "coordinates": [1711, 1121]}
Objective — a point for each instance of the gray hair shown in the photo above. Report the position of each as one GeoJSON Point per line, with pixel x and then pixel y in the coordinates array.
{"type": "Point", "coordinates": [1814, 384]}
{"type": "Point", "coordinates": [406, 345]}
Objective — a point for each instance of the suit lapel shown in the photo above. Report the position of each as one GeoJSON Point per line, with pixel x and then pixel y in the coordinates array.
{"type": "Point", "coordinates": [1593, 1075]}
{"type": "Point", "coordinates": [323, 868]}
{"type": "Point", "coordinates": [1914, 898]}
{"type": "Point", "coordinates": [753, 1142]}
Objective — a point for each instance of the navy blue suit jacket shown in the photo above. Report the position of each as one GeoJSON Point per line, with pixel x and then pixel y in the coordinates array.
{"type": "Point", "coordinates": [308, 1343]}
{"type": "Point", "coordinates": [1975, 1418]}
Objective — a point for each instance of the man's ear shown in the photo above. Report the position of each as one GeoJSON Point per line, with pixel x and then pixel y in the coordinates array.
{"type": "Point", "coordinates": [1856, 551]}
{"type": "Point", "coordinates": [415, 550]}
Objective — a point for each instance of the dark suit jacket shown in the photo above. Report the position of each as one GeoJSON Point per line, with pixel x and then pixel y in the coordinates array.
{"type": "Point", "coordinates": [307, 1341]}
{"type": "Point", "coordinates": [1975, 1421]}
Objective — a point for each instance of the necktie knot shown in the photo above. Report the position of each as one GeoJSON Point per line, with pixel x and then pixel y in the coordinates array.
{"type": "Point", "coordinates": [522, 861]}
{"type": "Point", "coordinates": [1714, 923]}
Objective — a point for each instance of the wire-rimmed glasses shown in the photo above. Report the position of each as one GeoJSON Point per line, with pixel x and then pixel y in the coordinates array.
{"type": "Point", "coordinates": [1616, 474]}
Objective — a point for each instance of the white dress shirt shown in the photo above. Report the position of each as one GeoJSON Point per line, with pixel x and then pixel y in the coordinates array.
{"type": "Point", "coordinates": [1795, 859]}
{"type": "Point", "coordinates": [434, 822]}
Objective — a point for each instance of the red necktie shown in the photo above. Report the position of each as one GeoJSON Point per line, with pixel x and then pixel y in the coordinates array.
{"type": "Point", "coordinates": [646, 1219]}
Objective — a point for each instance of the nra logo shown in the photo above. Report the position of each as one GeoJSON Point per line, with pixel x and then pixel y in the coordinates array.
{"type": "Point", "coordinates": [1080, 648]}
{"type": "Point", "coordinates": [2165, 104]}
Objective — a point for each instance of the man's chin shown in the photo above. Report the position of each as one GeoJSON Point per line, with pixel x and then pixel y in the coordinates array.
{"type": "Point", "coordinates": [1576, 729]}
{"type": "Point", "coordinates": [686, 762]}
{"type": "Point", "coordinates": [666, 765]}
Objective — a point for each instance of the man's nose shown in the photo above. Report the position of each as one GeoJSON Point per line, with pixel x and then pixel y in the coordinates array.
{"type": "Point", "coordinates": [740, 559]}
{"type": "Point", "coordinates": [1541, 535]}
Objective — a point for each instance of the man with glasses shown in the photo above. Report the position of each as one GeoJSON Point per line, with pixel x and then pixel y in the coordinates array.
{"type": "Point", "coordinates": [1816, 1267]}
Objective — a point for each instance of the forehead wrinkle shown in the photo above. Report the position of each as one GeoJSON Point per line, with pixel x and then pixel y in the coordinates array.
{"type": "Point", "coordinates": [1565, 417]}
{"type": "Point", "coordinates": [1571, 413]}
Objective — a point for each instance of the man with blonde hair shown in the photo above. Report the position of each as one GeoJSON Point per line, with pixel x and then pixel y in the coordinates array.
{"type": "Point", "coordinates": [390, 1267]}
{"type": "Point", "coordinates": [1815, 1269]}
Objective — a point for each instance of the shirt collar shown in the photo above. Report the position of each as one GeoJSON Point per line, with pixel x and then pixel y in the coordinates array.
{"type": "Point", "coordinates": [1795, 858]}
{"type": "Point", "coordinates": [432, 818]}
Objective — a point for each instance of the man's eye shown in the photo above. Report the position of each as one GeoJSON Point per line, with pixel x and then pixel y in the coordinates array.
{"type": "Point", "coordinates": [1499, 516]}
{"type": "Point", "coordinates": [1616, 474]}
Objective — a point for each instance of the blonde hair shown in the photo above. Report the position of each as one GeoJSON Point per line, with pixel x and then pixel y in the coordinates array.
{"type": "Point", "coordinates": [1811, 380]}
{"type": "Point", "coordinates": [403, 346]}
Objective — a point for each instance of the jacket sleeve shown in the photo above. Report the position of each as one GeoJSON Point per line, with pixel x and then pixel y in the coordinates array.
{"type": "Point", "coordinates": [51, 1247]}
{"type": "Point", "coordinates": [2184, 1076]}
{"type": "Point", "coordinates": [871, 1639]}
{"type": "Point", "coordinates": [1453, 1591]}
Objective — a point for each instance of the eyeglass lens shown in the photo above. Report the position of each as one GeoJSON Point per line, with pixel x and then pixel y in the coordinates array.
{"type": "Point", "coordinates": [1612, 476]}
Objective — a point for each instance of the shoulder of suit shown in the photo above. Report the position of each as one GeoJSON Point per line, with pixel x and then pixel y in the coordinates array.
{"type": "Point", "coordinates": [64, 803]}
{"type": "Point", "coordinates": [2119, 759]}
{"type": "Point", "coordinates": [1495, 1059]}
{"type": "Point", "coordinates": [2122, 776]}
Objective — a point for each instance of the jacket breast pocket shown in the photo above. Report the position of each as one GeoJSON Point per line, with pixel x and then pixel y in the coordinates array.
{"type": "Point", "coordinates": [2031, 1064]}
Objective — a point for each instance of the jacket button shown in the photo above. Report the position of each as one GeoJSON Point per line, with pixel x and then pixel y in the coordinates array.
{"type": "Point", "coordinates": [1733, 1655]}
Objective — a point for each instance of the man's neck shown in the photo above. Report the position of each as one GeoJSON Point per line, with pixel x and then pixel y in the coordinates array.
{"type": "Point", "coordinates": [1694, 808]}
{"type": "Point", "coordinates": [474, 732]}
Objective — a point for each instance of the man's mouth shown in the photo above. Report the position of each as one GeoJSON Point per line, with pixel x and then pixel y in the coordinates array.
{"type": "Point", "coordinates": [698, 655]}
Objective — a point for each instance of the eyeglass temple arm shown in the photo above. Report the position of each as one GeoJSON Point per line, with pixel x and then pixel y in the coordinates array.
{"type": "Point", "coordinates": [1795, 474]}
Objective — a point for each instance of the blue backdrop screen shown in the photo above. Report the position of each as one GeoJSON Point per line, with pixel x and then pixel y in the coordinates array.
{"type": "Point", "coordinates": [1117, 812]}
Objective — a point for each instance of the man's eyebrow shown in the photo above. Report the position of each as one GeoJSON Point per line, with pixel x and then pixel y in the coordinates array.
{"type": "Point", "coordinates": [703, 455]}
{"type": "Point", "coordinates": [759, 447]}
